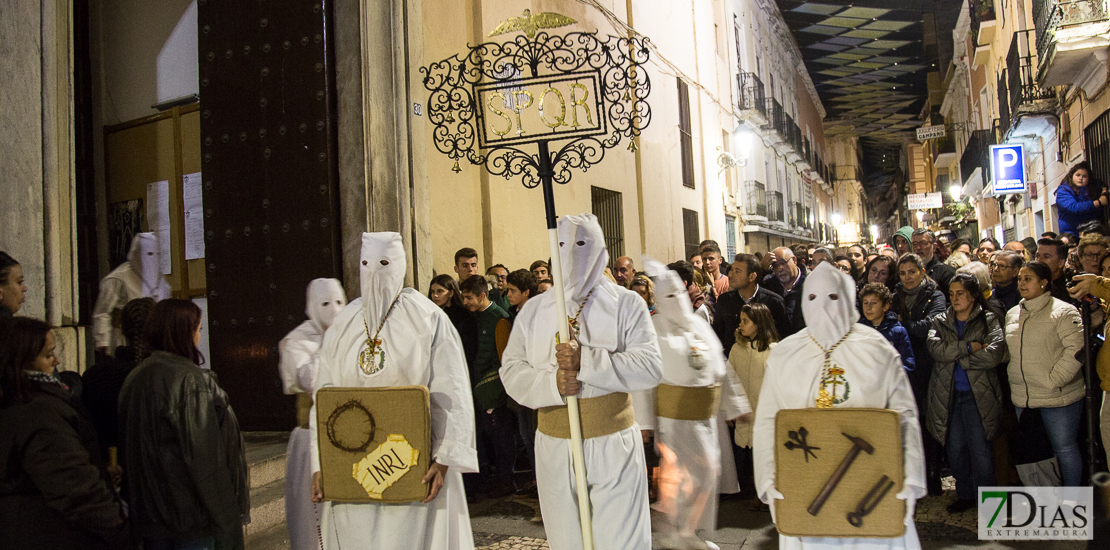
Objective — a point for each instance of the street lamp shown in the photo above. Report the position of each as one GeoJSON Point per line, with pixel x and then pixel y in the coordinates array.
{"type": "Point", "coordinates": [920, 215]}
{"type": "Point", "coordinates": [874, 232]}
{"type": "Point", "coordinates": [955, 191]}
{"type": "Point", "coordinates": [835, 218]}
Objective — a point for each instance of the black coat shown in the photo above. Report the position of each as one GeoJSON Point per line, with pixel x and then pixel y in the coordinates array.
{"type": "Point", "coordinates": [1007, 296]}
{"type": "Point", "coordinates": [940, 272]}
{"type": "Point", "coordinates": [182, 450]}
{"type": "Point", "coordinates": [726, 318]}
{"type": "Point", "coordinates": [102, 384]}
{"type": "Point", "coordinates": [918, 319]}
{"type": "Point", "coordinates": [54, 490]}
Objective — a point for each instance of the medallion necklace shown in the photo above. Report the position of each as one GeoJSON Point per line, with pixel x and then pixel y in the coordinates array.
{"type": "Point", "coordinates": [365, 359]}
{"type": "Point", "coordinates": [824, 396]}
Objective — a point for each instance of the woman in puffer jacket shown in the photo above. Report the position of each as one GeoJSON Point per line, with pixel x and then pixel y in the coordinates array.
{"type": "Point", "coordinates": [1044, 335]}
{"type": "Point", "coordinates": [965, 396]}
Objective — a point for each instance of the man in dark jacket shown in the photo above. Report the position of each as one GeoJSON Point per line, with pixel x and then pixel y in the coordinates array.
{"type": "Point", "coordinates": [789, 277]}
{"type": "Point", "coordinates": [1004, 269]}
{"type": "Point", "coordinates": [1054, 252]}
{"type": "Point", "coordinates": [924, 244]}
{"type": "Point", "coordinates": [744, 289]}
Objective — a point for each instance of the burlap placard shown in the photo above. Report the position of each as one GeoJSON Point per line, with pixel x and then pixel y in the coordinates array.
{"type": "Point", "coordinates": [809, 447]}
{"type": "Point", "coordinates": [375, 443]}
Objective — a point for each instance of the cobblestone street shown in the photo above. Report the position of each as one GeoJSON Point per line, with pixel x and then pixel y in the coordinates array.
{"type": "Point", "coordinates": [511, 523]}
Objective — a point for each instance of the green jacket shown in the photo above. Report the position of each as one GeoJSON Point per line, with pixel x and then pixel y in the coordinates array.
{"type": "Point", "coordinates": [489, 392]}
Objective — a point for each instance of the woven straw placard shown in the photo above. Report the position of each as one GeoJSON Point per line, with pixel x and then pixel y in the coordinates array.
{"type": "Point", "coordinates": [800, 481]}
{"type": "Point", "coordinates": [365, 421]}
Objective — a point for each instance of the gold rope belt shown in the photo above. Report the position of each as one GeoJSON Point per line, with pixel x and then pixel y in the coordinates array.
{"type": "Point", "coordinates": [684, 403]}
{"type": "Point", "coordinates": [304, 404]}
{"type": "Point", "coordinates": [603, 415]}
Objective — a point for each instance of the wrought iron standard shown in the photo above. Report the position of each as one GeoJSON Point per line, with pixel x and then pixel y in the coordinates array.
{"type": "Point", "coordinates": [490, 77]}
{"type": "Point", "coordinates": [454, 109]}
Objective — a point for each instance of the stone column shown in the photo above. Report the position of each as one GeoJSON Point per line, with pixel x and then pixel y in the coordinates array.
{"type": "Point", "coordinates": [37, 223]}
{"type": "Point", "coordinates": [383, 184]}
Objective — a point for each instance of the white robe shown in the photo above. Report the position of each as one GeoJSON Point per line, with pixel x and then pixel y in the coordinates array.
{"type": "Point", "coordinates": [874, 372]}
{"type": "Point", "coordinates": [116, 289]}
{"type": "Point", "coordinates": [619, 354]}
{"type": "Point", "coordinates": [421, 348]}
{"type": "Point", "coordinates": [139, 276]}
{"type": "Point", "coordinates": [690, 450]}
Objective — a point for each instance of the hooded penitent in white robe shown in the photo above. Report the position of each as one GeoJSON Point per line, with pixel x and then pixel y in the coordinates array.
{"type": "Point", "coordinates": [420, 347]}
{"type": "Point", "coordinates": [299, 353]}
{"type": "Point", "coordinates": [139, 277]}
{"type": "Point", "coordinates": [620, 353]}
{"type": "Point", "coordinates": [874, 374]}
{"type": "Point", "coordinates": [690, 453]}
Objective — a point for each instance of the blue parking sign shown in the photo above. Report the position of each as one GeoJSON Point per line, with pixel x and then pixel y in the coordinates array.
{"type": "Point", "coordinates": [1008, 168]}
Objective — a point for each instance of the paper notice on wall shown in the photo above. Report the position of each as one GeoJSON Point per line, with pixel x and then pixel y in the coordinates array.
{"type": "Point", "coordinates": [202, 303]}
{"type": "Point", "coordinates": [194, 216]}
{"type": "Point", "coordinates": [158, 218]}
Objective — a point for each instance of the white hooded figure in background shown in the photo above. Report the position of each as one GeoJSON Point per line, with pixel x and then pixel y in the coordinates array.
{"type": "Point", "coordinates": [873, 372]}
{"type": "Point", "coordinates": [139, 277]}
{"type": "Point", "coordinates": [419, 347]}
{"type": "Point", "coordinates": [614, 353]}
{"type": "Point", "coordinates": [689, 448]}
{"type": "Point", "coordinates": [298, 366]}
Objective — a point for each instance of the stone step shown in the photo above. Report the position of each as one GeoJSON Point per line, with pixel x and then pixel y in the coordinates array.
{"type": "Point", "coordinates": [274, 538]}
{"type": "Point", "coordinates": [267, 508]}
{"type": "Point", "coordinates": [265, 457]}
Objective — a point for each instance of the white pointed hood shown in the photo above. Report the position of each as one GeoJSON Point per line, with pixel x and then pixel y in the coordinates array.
{"type": "Point", "coordinates": [583, 255]}
{"type": "Point", "coordinates": [672, 301]}
{"type": "Point", "coordinates": [381, 273]}
{"type": "Point", "coordinates": [145, 257]}
{"type": "Point", "coordinates": [829, 319]}
{"type": "Point", "coordinates": [324, 299]}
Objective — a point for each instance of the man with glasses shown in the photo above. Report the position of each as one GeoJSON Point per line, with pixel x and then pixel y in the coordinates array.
{"type": "Point", "coordinates": [1091, 247]}
{"type": "Point", "coordinates": [1004, 269]}
{"type": "Point", "coordinates": [924, 244]}
{"type": "Point", "coordinates": [497, 293]}
{"type": "Point", "coordinates": [786, 279]}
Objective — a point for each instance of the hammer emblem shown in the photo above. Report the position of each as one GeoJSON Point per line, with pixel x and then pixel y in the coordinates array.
{"type": "Point", "coordinates": [858, 444]}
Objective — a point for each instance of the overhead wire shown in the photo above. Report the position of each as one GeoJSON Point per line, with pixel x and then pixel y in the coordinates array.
{"type": "Point", "coordinates": [657, 58]}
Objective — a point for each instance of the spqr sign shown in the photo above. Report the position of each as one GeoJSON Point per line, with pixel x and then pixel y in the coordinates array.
{"type": "Point", "coordinates": [561, 107]}
{"type": "Point", "coordinates": [1008, 167]}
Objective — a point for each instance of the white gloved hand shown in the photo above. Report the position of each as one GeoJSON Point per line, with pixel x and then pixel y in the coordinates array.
{"type": "Point", "coordinates": [908, 495]}
{"type": "Point", "coordinates": [769, 499]}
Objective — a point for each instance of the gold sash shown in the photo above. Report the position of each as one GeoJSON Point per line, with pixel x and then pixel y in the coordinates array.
{"type": "Point", "coordinates": [304, 404]}
{"type": "Point", "coordinates": [603, 415]}
{"type": "Point", "coordinates": [683, 403]}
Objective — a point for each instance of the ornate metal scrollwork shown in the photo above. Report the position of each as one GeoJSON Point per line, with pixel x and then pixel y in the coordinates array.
{"type": "Point", "coordinates": [454, 109]}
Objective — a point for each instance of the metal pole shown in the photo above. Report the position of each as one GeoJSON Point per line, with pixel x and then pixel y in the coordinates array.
{"type": "Point", "coordinates": [1089, 372]}
{"type": "Point", "coordinates": [577, 456]}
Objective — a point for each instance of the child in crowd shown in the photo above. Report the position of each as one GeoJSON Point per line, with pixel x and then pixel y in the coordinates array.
{"type": "Point", "coordinates": [755, 337]}
{"type": "Point", "coordinates": [875, 302]}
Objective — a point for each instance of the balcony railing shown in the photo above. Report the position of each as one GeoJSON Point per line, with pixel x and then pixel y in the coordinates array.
{"type": "Point", "coordinates": [775, 207]}
{"type": "Point", "coordinates": [944, 145]}
{"type": "Point", "coordinates": [777, 116]}
{"type": "Point", "coordinates": [797, 215]}
{"type": "Point", "coordinates": [756, 204]}
{"type": "Point", "coordinates": [1021, 72]}
{"type": "Point", "coordinates": [1050, 16]}
{"type": "Point", "coordinates": [981, 10]}
{"type": "Point", "coordinates": [751, 93]}
{"type": "Point", "coordinates": [791, 134]}
{"type": "Point", "coordinates": [976, 154]}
